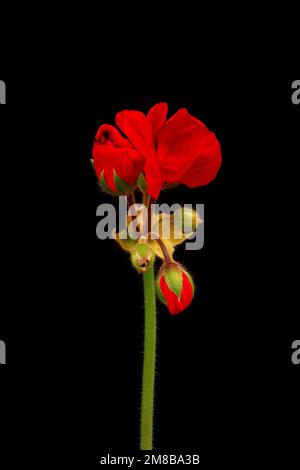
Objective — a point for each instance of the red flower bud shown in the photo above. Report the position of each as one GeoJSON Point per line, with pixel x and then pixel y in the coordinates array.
{"type": "Point", "coordinates": [116, 162]}
{"type": "Point", "coordinates": [175, 288]}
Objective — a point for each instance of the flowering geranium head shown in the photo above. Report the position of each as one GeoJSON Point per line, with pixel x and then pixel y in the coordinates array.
{"type": "Point", "coordinates": [153, 153]}
{"type": "Point", "coordinates": [175, 287]}
{"type": "Point", "coordinates": [180, 150]}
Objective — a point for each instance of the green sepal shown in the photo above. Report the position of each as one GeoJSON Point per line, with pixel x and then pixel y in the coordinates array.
{"type": "Point", "coordinates": [142, 249]}
{"type": "Point", "coordinates": [191, 281]}
{"type": "Point", "coordinates": [142, 257]}
{"type": "Point", "coordinates": [104, 185]}
{"type": "Point", "coordinates": [142, 183]}
{"type": "Point", "coordinates": [137, 266]}
{"type": "Point", "coordinates": [128, 244]}
{"type": "Point", "coordinates": [121, 185]}
{"type": "Point", "coordinates": [134, 262]}
{"type": "Point", "coordinates": [173, 277]}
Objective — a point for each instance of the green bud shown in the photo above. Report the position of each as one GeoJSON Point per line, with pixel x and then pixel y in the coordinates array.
{"type": "Point", "coordinates": [187, 219]}
{"type": "Point", "coordinates": [175, 287]}
{"type": "Point", "coordinates": [173, 277]}
{"type": "Point", "coordinates": [142, 256]}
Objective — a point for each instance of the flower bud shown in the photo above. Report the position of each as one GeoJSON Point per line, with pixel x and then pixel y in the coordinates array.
{"type": "Point", "coordinates": [175, 287]}
{"type": "Point", "coordinates": [186, 220]}
{"type": "Point", "coordinates": [142, 256]}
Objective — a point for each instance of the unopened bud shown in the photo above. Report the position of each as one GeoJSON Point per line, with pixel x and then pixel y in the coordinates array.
{"type": "Point", "coordinates": [175, 287]}
{"type": "Point", "coordinates": [186, 220]}
{"type": "Point", "coordinates": [142, 256]}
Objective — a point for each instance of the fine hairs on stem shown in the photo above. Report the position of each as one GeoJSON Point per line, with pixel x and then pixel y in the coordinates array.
{"type": "Point", "coordinates": [146, 442]}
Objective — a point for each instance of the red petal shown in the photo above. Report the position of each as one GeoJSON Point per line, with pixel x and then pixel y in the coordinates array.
{"type": "Point", "coordinates": [109, 134]}
{"type": "Point", "coordinates": [157, 116]}
{"type": "Point", "coordinates": [187, 293]}
{"type": "Point", "coordinates": [112, 152]}
{"type": "Point", "coordinates": [153, 177]}
{"type": "Point", "coordinates": [138, 129]}
{"type": "Point", "coordinates": [206, 165]}
{"type": "Point", "coordinates": [176, 305]}
{"type": "Point", "coordinates": [182, 141]}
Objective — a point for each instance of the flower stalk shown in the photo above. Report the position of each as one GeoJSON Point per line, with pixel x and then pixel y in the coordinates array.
{"type": "Point", "coordinates": [146, 442]}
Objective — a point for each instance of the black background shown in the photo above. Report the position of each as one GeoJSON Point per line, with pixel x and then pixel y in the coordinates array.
{"type": "Point", "coordinates": [72, 314]}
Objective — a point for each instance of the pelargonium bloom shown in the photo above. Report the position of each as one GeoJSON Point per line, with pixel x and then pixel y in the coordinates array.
{"type": "Point", "coordinates": [175, 288]}
{"type": "Point", "coordinates": [179, 150]}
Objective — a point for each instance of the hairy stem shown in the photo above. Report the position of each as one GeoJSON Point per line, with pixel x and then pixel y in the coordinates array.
{"type": "Point", "coordinates": [149, 361]}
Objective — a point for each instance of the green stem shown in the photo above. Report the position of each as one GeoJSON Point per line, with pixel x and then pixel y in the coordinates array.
{"type": "Point", "coordinates": [149, 360]}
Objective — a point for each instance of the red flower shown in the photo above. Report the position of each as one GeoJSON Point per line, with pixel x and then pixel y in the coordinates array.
{"type": "Point", "coordinates": [117, 163]}
{"type": "Point", "coordinates": [175, 288]}
{"type": "Point", "coordinates": [180, 150]}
